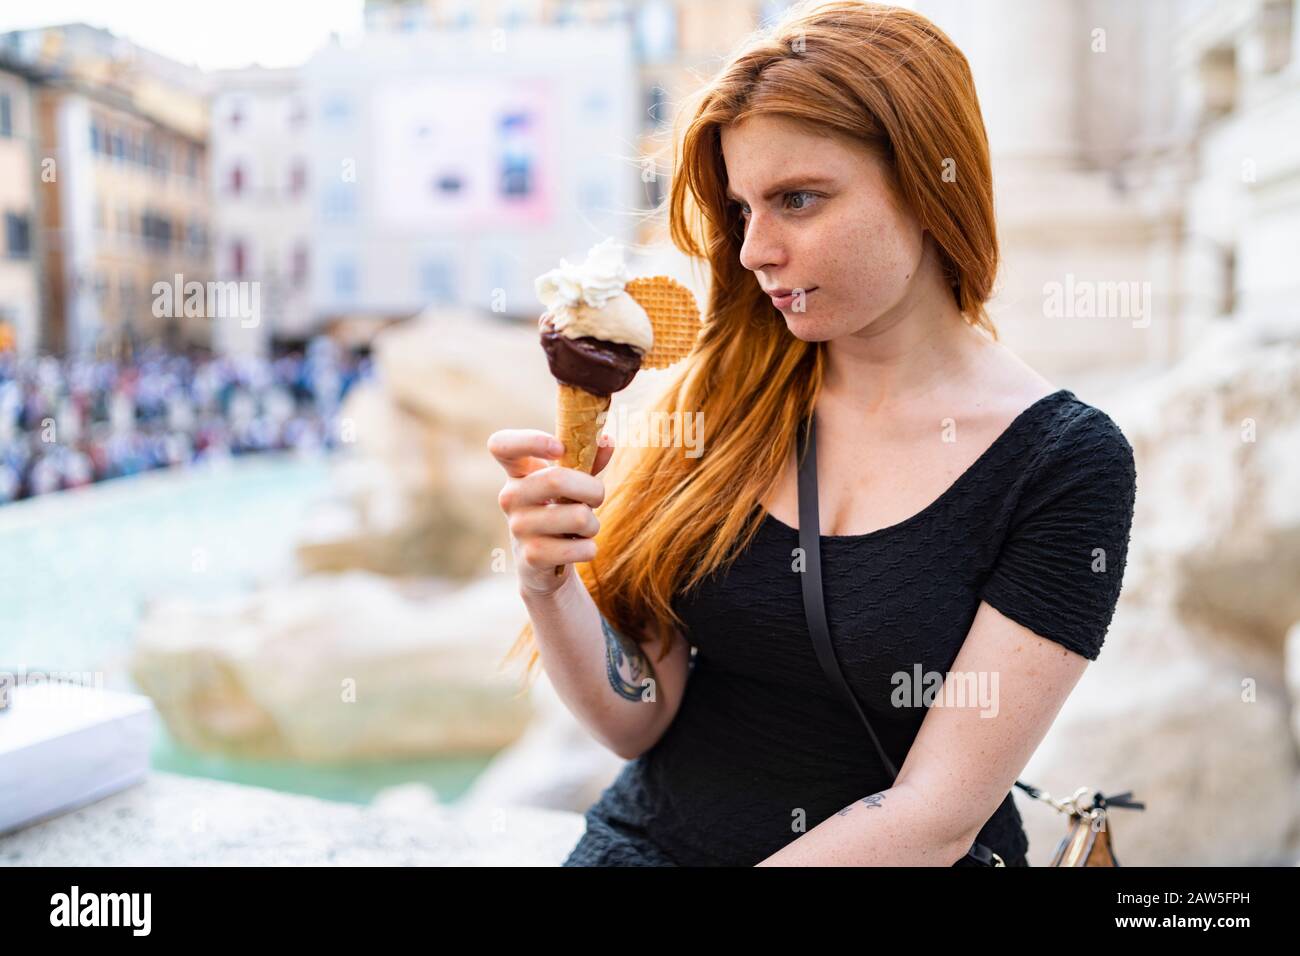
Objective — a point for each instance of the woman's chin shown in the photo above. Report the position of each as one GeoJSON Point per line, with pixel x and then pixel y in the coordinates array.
{"type": "Point", "coordinates": [805, 329]}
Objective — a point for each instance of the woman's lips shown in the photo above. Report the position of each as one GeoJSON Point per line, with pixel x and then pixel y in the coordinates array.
{"type": "Point", "coordinates": [784, 302]}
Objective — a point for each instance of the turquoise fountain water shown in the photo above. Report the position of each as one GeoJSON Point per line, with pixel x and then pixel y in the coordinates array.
{"type": "Point", "coordinates": [78, 567]}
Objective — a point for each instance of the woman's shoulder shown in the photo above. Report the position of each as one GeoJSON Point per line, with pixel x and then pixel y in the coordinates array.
{"type": "Point", "coordinates": [1080, 436]}
{"type": "Point", "coordinates": [1077, 466]}
{"type": "Point", "coordinates": [1063, 440]}
{"type": "Point", "coordinates": [1065, 429]}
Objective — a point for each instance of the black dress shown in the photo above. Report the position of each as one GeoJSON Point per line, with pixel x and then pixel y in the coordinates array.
{"type": "Point", "coordinates": [761, 735]}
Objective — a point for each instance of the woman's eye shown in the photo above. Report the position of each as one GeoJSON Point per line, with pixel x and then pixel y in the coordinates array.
{"type": "Point", "coordinates": [742, 208]}
{"type": "Point", "coordinates": [808, 197]}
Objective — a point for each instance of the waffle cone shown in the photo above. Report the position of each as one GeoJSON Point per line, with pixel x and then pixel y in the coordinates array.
{"type": "Point", "coordinates": [674, 316]}
{"type": "Point", "coordinates": [579, 417]}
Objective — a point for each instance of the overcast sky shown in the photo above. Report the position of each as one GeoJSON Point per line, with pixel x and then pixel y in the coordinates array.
{"type": "Point", "coordinates": [212, 34]}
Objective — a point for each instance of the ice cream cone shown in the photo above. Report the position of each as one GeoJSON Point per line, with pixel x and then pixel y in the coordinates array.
{"type": "Point", "coordinates": [579, 417]}
{"type": "Point", "coordinates": [599, 329]}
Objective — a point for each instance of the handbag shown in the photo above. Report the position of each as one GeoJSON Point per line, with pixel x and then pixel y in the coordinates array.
{"type": "Point", "coordinates": [1087, 840]}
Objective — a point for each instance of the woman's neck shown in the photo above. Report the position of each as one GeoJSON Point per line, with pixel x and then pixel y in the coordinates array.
{"type": "Point", "coordinates": [901, 359]}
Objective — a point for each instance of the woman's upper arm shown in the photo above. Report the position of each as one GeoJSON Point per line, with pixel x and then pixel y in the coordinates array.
{"type": "Point", "coordinates": [994, 708]}
{"type": "Point", "coordinates": [1044, 613]}
{"type": "Point", "coordinates": [669, 676]}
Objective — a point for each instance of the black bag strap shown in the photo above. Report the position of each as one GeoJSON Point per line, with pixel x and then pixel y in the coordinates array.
{"type": "Point", "coordinates": [815, 608]}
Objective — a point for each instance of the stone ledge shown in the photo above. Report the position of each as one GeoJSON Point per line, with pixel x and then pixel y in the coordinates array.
{"type": "Point", "coordinates": [174, 820]}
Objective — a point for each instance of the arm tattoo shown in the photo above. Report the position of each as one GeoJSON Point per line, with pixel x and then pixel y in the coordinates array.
{"type": "Point", "coordinates": [625, 662]}
{"type": "Point", "coordinates": [872, 803]}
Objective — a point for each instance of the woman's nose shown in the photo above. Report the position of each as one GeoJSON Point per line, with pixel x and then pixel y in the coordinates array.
{"type": "Point", "coordinates": [762, 248]}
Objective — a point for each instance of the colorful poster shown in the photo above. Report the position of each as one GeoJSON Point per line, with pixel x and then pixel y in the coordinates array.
{"type": "Point", "coordinates": [460, 154]}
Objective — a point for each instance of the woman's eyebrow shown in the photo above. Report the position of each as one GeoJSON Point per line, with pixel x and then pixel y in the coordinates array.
{"type": "Point", "coordinates": [786, 185]}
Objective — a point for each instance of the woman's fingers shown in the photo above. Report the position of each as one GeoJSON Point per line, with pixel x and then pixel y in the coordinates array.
{"type": "Point", "coordinates": [551, 520]}
{"type": "Point", "coordinates": [556, 483]}
{"type": "Point", "coordinates": [521, 451]}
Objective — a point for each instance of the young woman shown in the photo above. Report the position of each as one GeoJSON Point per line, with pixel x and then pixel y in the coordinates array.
{"type": "Point", "coordinates": [974, 518]}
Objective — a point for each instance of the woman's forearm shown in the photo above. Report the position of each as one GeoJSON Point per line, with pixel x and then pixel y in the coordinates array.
{"type": "Point", "coordinates": [574, 651]}
{"type": "Point", "coordinates": [895, 827]}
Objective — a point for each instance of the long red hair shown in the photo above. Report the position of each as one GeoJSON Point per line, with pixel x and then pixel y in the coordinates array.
{"type": "Point", "coordinates": [886, 77]}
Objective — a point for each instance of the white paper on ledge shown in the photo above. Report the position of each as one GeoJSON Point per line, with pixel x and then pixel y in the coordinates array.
{"type": "Point", "coordinates": [63, 745]}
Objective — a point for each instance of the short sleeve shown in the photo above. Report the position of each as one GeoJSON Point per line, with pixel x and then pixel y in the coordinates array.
{"type": "Point", "coordinates": [1060, 569]}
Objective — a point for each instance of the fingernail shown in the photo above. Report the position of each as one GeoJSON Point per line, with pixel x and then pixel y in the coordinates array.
{"type": "Point", "coordinates": [557, 448]}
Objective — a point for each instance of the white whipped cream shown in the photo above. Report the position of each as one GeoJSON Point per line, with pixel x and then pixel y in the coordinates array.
{"type": "Point", "coordinates": [593, 283]}
{"type": "Point", "coordinates": [589, 299]}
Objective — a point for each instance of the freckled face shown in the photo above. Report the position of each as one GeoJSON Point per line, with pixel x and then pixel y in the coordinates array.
{"type": "Point", "coordinates": [818, 216]}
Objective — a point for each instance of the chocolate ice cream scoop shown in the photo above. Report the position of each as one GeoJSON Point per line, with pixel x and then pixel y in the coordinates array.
{"type": "Point", "coordinates": [599, 367]}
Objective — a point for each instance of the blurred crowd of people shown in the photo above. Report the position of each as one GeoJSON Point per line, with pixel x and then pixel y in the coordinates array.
{"type": "Point", "coordinates": [69, 422]}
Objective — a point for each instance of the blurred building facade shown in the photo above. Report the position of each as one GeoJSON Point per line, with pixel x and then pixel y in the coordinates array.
{"type": "Point", "coordinates": [453, 167]}
{"type": "Point", "coordinates": [20, 263]}
{"type": "Point", "coordinates": [262, 203]}
{"type": "Point", "coordinates": [676, 46]}
{"type": "Point", "coordinates": [1146, 179]}
{"type": "Point", "coordinates": [121, 138]}
{"type": "Point", "coordinates": [1147, 175]}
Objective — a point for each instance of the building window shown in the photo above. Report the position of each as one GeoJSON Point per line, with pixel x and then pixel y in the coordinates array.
{"type": "Point", "coordinates": [448, 184]}
{"type": "Point", "coordinates": [298, 266]}
{"type": "Point", "coordinates": [345, 279]}
{"type": "Point", "coordinates": [1228, 303]}
{"type": "Point", "coordinates": [617, 11]}
{"type": "Point", "coordinates": [340, 202]}
{"type": "Point", "coordinates": [297, 178]}
{"type": "Point", "coordinates": [337, 108]}
{"type": "Point", "coordinates": [238, 259]}
{"type": "Point", "coordinates": [462, 16]}
{"type": "Point", "coordinates": [161, 160]}
{"type": "Point", "coordinates": [770, 11]}
{"type": "Point", "coordinates": [18, 238]}
{"type": "Point", "coordinates": [6, 116]}
{"type": "Point", "coordinates": [566, 13]}
{"type": "Point", "coordinates": [236, 114]}
{"type": "Point", "coordinates": [95, 146]}
{"type": "Point", "coordinates": [157, 230]}
{"type": "Point", "coordinates": [516, 155]}
{"type": "Point", "coordinates": [656, 31]}
{"type": "Point", "coordinates": [595, 104]}
{"type": "Point", "coordinates": [593, 195]}
{"type": "Point", "coordinates": [1218, 78]}
{"type": "Point", "coordinates": [237, 179]}
{"type": "Point", "coordinates": [515, 15]}
{"type": "Point", "coordinates": [1275, 27]}
{"type": "Point", "coordinates": [435, 281]}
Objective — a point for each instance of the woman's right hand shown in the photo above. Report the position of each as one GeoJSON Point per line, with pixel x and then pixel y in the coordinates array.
{"type": "Point", "coordinates": [548, 508]}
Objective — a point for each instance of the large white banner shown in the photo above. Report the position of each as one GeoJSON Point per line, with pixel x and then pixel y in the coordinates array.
{"type": "Point", "coordinates": [461, 153]}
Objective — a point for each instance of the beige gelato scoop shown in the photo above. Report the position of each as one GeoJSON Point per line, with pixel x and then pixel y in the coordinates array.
{"type": "Point", "coordinates": [620, 319]}
{"type": "Point", "coordinates": [589, 300]}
